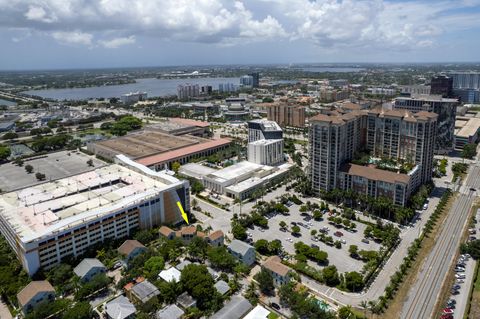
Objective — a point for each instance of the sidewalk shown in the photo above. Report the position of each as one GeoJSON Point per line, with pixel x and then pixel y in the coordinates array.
{"type": "Point", "coordinates": [4, 312]}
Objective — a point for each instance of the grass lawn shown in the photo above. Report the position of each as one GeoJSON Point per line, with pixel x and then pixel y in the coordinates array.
{"type": "Point", "coordinates": [273, 315]}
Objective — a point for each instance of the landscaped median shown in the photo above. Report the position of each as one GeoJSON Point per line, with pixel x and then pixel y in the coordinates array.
{"type": "Point", "coordinates": [399, 276]}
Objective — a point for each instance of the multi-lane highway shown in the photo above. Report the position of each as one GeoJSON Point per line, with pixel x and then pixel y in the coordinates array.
{"type": "Point", "coordinates": [425, 293]}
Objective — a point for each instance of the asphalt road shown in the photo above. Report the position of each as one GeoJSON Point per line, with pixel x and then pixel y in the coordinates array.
{"type": "Point", "coordinates": [424, 294]}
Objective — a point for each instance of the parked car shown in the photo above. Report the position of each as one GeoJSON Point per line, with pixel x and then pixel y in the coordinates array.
{"type": "Point", "coordinates": [275, 306]}
{"type": "Point", "coordinates": [460, 276]}
{"type": "Point", "coordinates": [454, 292]}
{"type": "Point", "coordinates": [446, 317]}
{"type": "Point", "coordinates": [338, 234]}
{"type": "Point", "coordinates": [425, 206]}
{"type": "Point", "coordinates": [366, 241]}
{"type": "Point", "coordinates": [314, 246]}
{"type": "Point", "coordinates": [448, 311]}
{"type": "Point", "coordinates": [456, 286]}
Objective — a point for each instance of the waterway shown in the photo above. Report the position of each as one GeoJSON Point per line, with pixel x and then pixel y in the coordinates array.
{"type": "Point", "coordinates": [321, 69]}
{"type": "Point", "coordinates": [153, 87]}
{"type": "Point", "coordinates": [6, 102]}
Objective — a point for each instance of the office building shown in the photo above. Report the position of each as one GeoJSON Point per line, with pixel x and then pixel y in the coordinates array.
{"type": "Point", "coordinates": [399, 135]}
{"type": "Point", "coordinates": [441, 85]}
{"type": "Point", "coordinates": [338, 83]}
{"type": "Point", "coordinates": [133, 97]}
{"type": "Point", "coordinates": [246, 81]}
{"type": "Point", "coordinates": [187, 91]}
{"type": "Point", "coordinates": [466, 131]}
{"type": "Point", "coordinates": [466, 80]}
{"type": "Point", "coordinates": [48, 222]}
{"type": "Point", "coordinates": [158, 150]}
{"type": "Point", "coordinates": [446, 110]}
{"type": "Point", "coordinates": [409, 90]}
{"type": "Point", "coordinates": [227, 88]}
{"type": "Point", "coordinates": [255, 79]}
{"type": "Point", "coordinates": [286, 114]}
{"type": "Point", "coordinates": [206, 89]}
{"type": "Point", "coordinates": [265, 142]}
{"type": "Point", "coordinates": [467, 95]}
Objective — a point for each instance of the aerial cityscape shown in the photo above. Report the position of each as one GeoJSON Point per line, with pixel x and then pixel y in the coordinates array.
{"type": "Point", "coordinates": [239, 159]}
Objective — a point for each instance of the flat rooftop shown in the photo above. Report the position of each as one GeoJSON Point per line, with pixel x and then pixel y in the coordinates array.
{"type": "Point", "coordinates": [182, 152]}
{"type": "Point", "coordinates": [147, 143]}
{"type": "Point", "coordinates": [267, 125]}
{"type": "Point", "coordinates": [38, 210]}
{"type": "Point", "coordinates": [237, 170]}
{"type": "Point", "coordinates": [427, 98]}
{"type": "Point", "coordinates": [53, 165]}
{"type": "Point", "coordinates": [376, 174]}
{"type": "Point", "coordinates": [195, 170]}
{"type": "Point", "coordinates": [467, 127]}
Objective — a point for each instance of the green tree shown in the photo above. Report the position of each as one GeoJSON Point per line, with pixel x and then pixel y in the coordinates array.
{"type": "Point", "coordinates": [196, 280]}
{"type": "Point", "coordinates": [175, 167]}
{"type": "Point", "coordinates": [330, 275]}
{"type": "Point", "coordinates": [221, 258]}
{"type": "Point", "coordinates": [90, 162]}
{"type": "Point", "coordinates": [295, 230]}
{"type": "Point", "coordinates": [261, 246]}
{"type": "Point", "coordinates": [265, 282]}
{"type": "Point", "coordinates": [238, 231]}
{"type": "Point", "coordinates": [282, 224]}
{"type": "Point", "coordinates": [81, 310]}
{"type": "Point", "coordinates": [10, 136]}
{"type": "Point", "coordinates": [353, 250]}
{"type": "Point", "coordinates": [354, 281]}
{"type": "Point", "coordinates": [4, 152]}
{"type": "Point", "coordinates": [40, 176]}
{"type": "Point", "coordinates": [145, 236]}
{"type": "Point", "coordinates": [345, 312]}
{"type": "Point", "coordinates": [169, 291]}
{"type": "Point", "coordinates": [198, 248]}
{"type": "Point", "coordinates": [153, 266]}
{"type": "Point", "coordinates": [469, 151]}
{"type": "Point", "coordinates": [29, 168]}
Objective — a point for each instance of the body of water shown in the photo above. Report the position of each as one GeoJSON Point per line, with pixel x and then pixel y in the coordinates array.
{"type": "Point", "coordinates": [6, 102]}
{"type": "Point", "coordinates": [332, 69]}
{"type": "Point", "coordinates": [153, 87]}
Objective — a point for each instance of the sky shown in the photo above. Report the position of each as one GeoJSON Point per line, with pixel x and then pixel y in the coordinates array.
{"type": "Point", "coordinates": [59, 34]}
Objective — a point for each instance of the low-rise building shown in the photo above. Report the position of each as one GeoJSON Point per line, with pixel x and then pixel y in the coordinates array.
{"type": "Point", "coordinates": [466, 131]}
{"type": "Point", "coordinates": [186, 301]}
{"type": "Point", "coordinates": [171, 274]}
{"type": "Point", "coordinates": [236, 308]}
{"type": "Point", "coordinates": [120, 308]}
{"type": "Point", "coordinates": [143, 291]}
{"type": "Point", "coordinates": [35, 293]}
{"type": "Point", "coordinates": [222, 287]}
{"type": "Point", "coordinates": [89, 268]}
{"type": "Point", "coordinates": [170, 312]}
{"type": "Point", "coordinates": [279, 272]}
{"type": "Point", "coordinates": [216, 238]}
{"type": "Point", "coordinates": [131, 249]}
{"type": "Point", "coordinates": [167, 232]}
{"type": "Point", "coordinates": [242, 251]}
{"type": "Point", "coordinates": [258, 312]}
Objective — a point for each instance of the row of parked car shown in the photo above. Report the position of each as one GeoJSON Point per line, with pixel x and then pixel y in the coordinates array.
{"type": "Point", "coordinates": [449, 310]}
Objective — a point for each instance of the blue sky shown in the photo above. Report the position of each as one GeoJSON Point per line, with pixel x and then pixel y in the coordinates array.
{"type": "Point", "coordinates": [48, 34]}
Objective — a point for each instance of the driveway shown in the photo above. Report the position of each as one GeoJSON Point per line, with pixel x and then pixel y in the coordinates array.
{"type": "Point", "coordinates": [4, 312]}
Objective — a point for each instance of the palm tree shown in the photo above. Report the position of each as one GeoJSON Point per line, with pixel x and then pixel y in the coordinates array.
{"type": "Point", "coordinates": [238, 201]}
{"type": "Point", "coordinates": [364, 306]}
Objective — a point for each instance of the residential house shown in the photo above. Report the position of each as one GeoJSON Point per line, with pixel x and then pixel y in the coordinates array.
{"type": "Point", "coordinates": [186, 301]}
{"type": "Point", "coordinates": [89, 268]}
{"type": "Point", "coordinates": [143, 292]}
{"type": "Point", "coordinates": [279, 272]}
{"type": "Point", "coordinates": [216, 238]}
{"type": "Point", "coordinates": [236, 308]}
{"type": "Point", "coordinates": [120, 308]}
{"type": "Point", "coordinates": [222, 287]}
{"type": "Point", "coordinates": [171, 274]}
{"type": "Point", "coordinates": [131, 249]}
{"type": "Point", "coordinates": [242, 251]}
{"type": "Point", "coordinates": [170, 312]}
{"type": "Point", "coordinates": [34, 294]}
{"type": "Point", "coordinates": [167, 232]}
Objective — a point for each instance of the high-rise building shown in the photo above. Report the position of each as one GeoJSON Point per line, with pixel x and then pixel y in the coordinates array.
{"type": "Point", "coordinates": [466, 80]}
{"type": "Point", "coordinates": [400, 135]}
{"type": "Point", "coordinates": [445, 108]}
{"type": "Point", "coordinates": [133, 97]}
{"type": "Point", "coordinates": [286, 115]}
{"type": "Point", "coordinates": [441, 85]}
{"type": "Point", "coordinates": [246, 81]}
{"type": "Point", "coordinates": [206, 89]}
{"type": "Point", "coordinates": [255, 79]}
{"type": "Point", "coordinates": [226, 88]}
{"type": "Point", "coordinates": [265, 142]}
{"type": "Point", "coordinates": [186, 91]}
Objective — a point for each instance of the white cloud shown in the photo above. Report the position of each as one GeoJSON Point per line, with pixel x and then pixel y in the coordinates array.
{"type": "Point", "coordinates": [330, 24]}
{"type": "Point", "coordinates": [39, 14]}
{"type": "Point", "coordinates": [75, 37]}
{"type": "Point", "coordinates": [117, 42]}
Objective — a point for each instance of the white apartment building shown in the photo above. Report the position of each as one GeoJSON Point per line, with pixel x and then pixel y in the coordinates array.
{"type": "Point", "coordinates": [133, 97]}
{"type": "Point", "coordinates": [47, 222]}
{"type": "Point", "coordinates": [266, 152]}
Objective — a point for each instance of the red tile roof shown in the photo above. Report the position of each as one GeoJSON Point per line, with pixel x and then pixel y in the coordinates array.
{"type": "Point", "coordinates": [183, 152]}
{"type": "Point", "coordinates": [128, 246]}
{"type": "Point", "coordinates": [275, 265]}
{"type": "Point", "coordinates": [216, 235]}
{"type": "Point", "coordinates": [33, 288]}
{"type": "Point", "coordinates": [180, 120]}
{"type": "Point", "coordinates": [376, 174]}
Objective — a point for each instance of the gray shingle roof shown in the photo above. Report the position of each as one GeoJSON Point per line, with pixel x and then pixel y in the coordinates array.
{"type": "Point", "coordinates": [222, 287]}
{"type": "Point", "coordinates": [145, 290]}
{"type": "Point", "coordinates": [236, 308]}
{"type": "Point", "coordinates": [239, 247]}
{"type": "Point", "coordinates": [120, 308]}
{"type": "Point", "coordinates": [85, 265]}
{"type": "Point", "coordinates": [170, 312]}
{"type": "Point", "coordinates": [183, 264]}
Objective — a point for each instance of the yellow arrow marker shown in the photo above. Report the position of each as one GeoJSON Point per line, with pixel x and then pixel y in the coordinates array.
{"type": "Point", "coordinates": [182, 211]}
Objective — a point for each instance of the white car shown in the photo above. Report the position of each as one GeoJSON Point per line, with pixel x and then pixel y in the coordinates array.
{"type": "Point", "coordinates": [343, 241]}
{"type": "Point", "coordinates": [460, 276]}
{"type": "Point", "coordinates": [425, 206]}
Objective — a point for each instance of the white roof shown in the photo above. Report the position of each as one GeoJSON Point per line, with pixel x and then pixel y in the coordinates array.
{"type": "Point", "coordinates": [236, 171]}
{"type": "Point", "coordinates": [120, 308]}
{"type": "Point", "coordinates": [195, 170]}
{"type": "Point", "coordinates": [257, 313]}
{"type": "Point", "coordinates": [171, 274]}
{"type": "Point", "coordinates": [52, 206]}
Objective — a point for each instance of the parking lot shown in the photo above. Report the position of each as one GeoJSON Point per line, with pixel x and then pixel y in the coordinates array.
{"type": "Point", "coordinates": [54, 166]}
{"type": "Point", "coordinates": [338, 257]}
